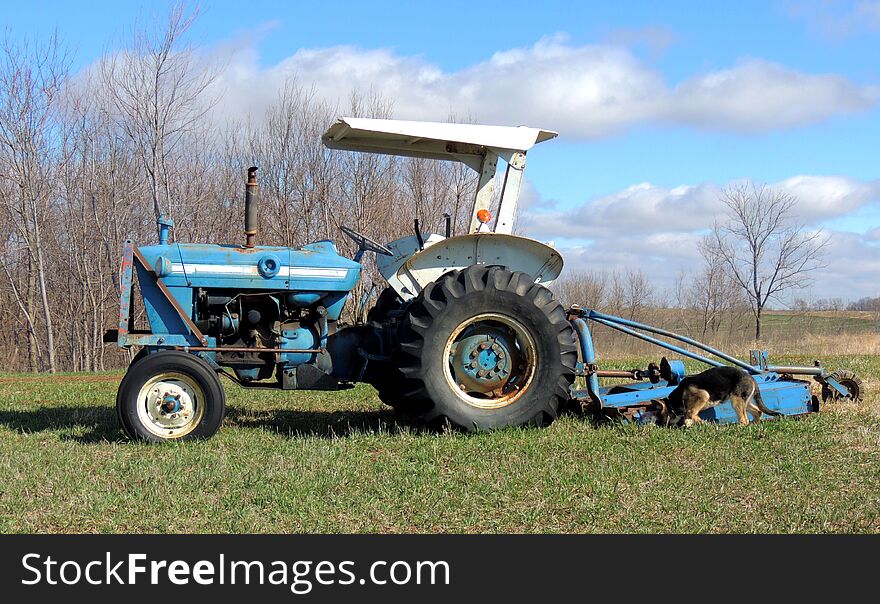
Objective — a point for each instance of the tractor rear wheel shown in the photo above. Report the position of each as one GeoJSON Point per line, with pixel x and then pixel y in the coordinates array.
{"type": "Point", "coordinates": [848, 380]}
{"type": "Point", "coordinates": [382, 374]}
{"type": "Point", "coordinates": [485, 348]}
{"type": "Point", "coordinates": [170, 395]}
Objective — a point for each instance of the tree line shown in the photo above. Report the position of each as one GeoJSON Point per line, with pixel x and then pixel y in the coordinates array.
{"type": "Point", "coordinates": [90, 160]}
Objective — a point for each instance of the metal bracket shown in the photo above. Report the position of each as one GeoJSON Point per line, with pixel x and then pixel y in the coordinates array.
{"type": "Point", "coordinates": [170, 297]}
{"type": "Point", "coordinates": [836, 385]}
{"type": "Point", "coordinates": [485, 189]}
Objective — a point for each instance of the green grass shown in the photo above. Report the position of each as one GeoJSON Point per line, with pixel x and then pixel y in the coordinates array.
{"type": "Point", "coordinates": [339, 462]}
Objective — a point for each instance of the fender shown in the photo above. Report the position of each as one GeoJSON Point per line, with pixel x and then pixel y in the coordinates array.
{"type": "Point", "coordinates": [409, 270]}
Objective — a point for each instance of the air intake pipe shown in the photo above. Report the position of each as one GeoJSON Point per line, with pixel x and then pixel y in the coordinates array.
{"type": "Point", "coordinates": [251, 208]}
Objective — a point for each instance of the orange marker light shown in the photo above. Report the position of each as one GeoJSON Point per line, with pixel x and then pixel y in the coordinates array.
{"type": "Point", "coordinates": [484, 216]}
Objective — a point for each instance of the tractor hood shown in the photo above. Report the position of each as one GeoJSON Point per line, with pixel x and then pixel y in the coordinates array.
{"type": "Point", "coordinates": [314, 267]}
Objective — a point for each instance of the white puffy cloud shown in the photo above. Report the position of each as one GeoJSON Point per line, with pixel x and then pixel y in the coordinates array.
{"type": "Point", "coordinates": [823, 197]}
{"type": "Point", "coordinates": [758, 96]}
{"type": "Point", "coordinates": [583, 91]}
{"type": "Point", "coordinates": [639, 209]}
{"type": "Point", "coordinates": [852, 268]}
{"type": "Point", "coordinates": [655, 39]}
{"type": "Point", "coordinates": [851, 264]}
{"type": "Point", "coordinates": [657, 229]}
{"type": "Point", "coordinates": [646, 208]}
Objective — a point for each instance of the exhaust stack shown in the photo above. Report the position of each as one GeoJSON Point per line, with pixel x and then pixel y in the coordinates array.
{"type": "Point", "coordinates": [251, 208]}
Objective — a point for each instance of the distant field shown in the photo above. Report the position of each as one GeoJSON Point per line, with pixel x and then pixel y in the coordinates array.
{"type": "Point", "coordinates": [777, 324]}
{"type": "Point", "coordinates": [783, 332]}
{"type": "Point", "coordinates": [340, 462]}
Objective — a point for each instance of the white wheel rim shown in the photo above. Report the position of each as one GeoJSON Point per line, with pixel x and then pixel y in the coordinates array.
{"type": "Point", "coordinates": [170, 405]}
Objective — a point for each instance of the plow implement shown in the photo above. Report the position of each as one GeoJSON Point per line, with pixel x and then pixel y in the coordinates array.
{"type": "Point", "coordinates": [784, 389]}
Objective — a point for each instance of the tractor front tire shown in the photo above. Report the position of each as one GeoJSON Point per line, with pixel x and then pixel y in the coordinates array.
{"type": "Point", "coordinates": [485, 348]}
{"type": "Point", "coordinates": [170, 395]}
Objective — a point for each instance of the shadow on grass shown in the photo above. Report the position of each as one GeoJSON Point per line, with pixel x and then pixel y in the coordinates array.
{"type": "Point", "coordinates": [345, 423]}
{"type": "Point", "coordinates": [99, 424]}
{"type": "Point", "coordinates": [327, 424]}
{"type": "Point", "coordinates": [87, 424]}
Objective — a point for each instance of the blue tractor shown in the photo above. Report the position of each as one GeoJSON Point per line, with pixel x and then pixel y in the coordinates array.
{"type": "Point", "coordinates": [466, 330]}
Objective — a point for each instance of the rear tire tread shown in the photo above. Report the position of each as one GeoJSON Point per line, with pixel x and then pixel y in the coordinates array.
{"type": "Point", "coordinates": [451, 289]}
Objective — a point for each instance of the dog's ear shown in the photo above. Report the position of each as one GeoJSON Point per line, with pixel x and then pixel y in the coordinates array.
{"type": "Point", "coordinates": [664, 411]}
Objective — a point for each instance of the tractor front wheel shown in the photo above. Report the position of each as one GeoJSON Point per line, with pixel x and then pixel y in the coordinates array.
{"type": "Point", "coordinates": [170, 396]}
{"type": "Point", "coordinates": [485, 348]}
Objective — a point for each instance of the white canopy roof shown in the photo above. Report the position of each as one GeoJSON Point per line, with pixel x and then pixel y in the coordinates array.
{"type": "Point", "coordinates": [433, 140]}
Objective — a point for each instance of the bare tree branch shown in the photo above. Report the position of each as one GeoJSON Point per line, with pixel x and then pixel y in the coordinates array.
{"type": "Point", "coordinates": [762, 249]}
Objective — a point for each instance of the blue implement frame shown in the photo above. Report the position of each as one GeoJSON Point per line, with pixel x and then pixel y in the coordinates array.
{"type": "Point", "coordinates": [636, 401]}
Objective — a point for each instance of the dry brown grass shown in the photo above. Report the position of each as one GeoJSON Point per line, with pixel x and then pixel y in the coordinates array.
{"type": "Point", "coordinates": [817, 333]}
{"type": "Point", "coordinates": [865, 343]}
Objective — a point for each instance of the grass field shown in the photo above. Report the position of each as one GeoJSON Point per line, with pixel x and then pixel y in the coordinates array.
{"type": "Point", "coordinates": [339, 462]}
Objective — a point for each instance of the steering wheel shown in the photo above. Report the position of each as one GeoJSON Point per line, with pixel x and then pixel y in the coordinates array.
{"type": "Point", "coordinates": [365, 244]}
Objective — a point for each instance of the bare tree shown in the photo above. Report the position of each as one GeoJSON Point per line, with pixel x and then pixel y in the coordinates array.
{"type": "Point", "coordinates": [866, 304]}
{"type": "Point", "coordinates": [158, 89]}
{"type": "Point", "coordinates": [586, 288]}
{"type": "Point", "coordinates": [639, 294]}
{"type": "Point", "coordinates": [710, 295]}
{"type": "Point", "coordinates": [762, 248]}
{"type": "Point", "coordinates": [31, 79]}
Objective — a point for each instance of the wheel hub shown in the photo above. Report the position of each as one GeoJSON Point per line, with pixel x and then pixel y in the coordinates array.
{"type": "Point", "coordinates": [169, 405]}
{"type": "Point", "coordinates": [490, 360]}
{"type": "Point", "coordinates": [484, 361]}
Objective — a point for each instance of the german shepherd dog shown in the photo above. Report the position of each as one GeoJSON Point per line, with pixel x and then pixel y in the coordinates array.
{"type": "Point", "coordinates": [713, 387]}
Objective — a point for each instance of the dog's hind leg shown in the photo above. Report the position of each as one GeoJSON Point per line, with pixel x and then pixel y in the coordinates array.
{"type": "Point", "coordinates": [751, 406]}
{"type": "Point", "coordinates": [740, 406]}
{"type": "Point", "coordinates": [756, 413]}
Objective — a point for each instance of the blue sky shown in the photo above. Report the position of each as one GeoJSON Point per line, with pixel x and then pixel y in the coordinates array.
{"type": "Point", "coordinates": [648, 97]}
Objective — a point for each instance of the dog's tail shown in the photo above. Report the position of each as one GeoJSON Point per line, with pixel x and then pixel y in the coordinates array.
{"type": "Point", "coordinates": [759, 403]}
